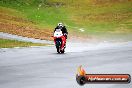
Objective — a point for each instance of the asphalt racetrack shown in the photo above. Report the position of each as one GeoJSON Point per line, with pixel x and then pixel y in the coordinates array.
{"type": "Point", "coordinates": [42, 67]}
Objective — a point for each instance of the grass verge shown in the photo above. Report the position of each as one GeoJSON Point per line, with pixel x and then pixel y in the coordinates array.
{"type": "Point", "coordinates": [6, 43]}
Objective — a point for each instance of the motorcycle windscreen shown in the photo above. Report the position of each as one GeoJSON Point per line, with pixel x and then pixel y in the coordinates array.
{"type": "Point", "coordinates": [58, 33]}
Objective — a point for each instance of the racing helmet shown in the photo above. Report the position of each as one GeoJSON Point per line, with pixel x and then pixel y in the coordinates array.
{"type": "Point", "coordinates": [60, 24]}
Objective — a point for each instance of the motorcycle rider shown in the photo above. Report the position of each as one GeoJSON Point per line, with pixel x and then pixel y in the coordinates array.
{"type": "Point", "coordinates": [63, 29]}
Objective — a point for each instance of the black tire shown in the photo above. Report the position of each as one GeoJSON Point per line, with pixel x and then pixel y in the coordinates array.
{"type": "Point", "coordinates": [58, 46]}
{"type": "Point", "coordinates": [81, 80]}
{"type": "Point", "coordinates": [58, 50]}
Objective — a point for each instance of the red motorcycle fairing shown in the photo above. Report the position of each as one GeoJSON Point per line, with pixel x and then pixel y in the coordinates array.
{"type": "Point", "coordinates": [63, 41]}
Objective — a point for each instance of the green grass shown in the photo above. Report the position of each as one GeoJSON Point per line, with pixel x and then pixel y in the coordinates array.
{"type": "Point", "coordinates": [6, 43]}
{"type": "Point", "coordinates": [47, 17]}
{"type": "Point", "coordinates": [92, 15]}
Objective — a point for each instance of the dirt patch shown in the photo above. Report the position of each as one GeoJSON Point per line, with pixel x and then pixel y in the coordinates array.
{"type": "Point", "coordinates": [26, 31]}
{"type": "Point", "coordinates": [22, 27]}
{"type": "Point", "coordinates": [110, 1]}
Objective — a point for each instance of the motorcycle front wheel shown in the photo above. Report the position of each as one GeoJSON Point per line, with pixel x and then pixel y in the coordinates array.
{"type": "Point", "coordinates": [58, 49]}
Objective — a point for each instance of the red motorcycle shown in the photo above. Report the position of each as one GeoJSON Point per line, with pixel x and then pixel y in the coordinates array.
{"type": "Point", "coordinates": [60, 41]}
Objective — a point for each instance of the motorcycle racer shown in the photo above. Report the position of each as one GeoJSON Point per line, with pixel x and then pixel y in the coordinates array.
{"type": "Point", "coordinates": [63, 29]}
{"type": "Point", "coordinates": [60, 36]}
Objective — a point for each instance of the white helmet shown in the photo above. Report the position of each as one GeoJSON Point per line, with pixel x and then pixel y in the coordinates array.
{"type": "Point", "coordinates": [60, 24]}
